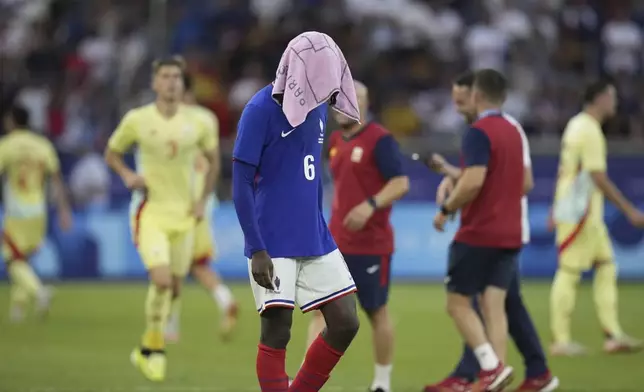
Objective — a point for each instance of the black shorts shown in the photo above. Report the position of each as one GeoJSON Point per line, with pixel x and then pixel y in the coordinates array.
{"type": "Point", "coordinates": [472, 269]}
{"type": "Point", "coordinates": [371, 274]}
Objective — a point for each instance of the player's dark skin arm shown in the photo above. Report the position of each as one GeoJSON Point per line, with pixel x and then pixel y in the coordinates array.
{"type": "Point", "coordinates": [243, 200]}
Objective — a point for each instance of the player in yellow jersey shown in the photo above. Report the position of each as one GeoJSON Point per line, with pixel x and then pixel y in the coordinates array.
{"type": "Point", "coordinates": [27, 160]}
{"type": "Point", "coordinates": [168, 136]}
{"type": "Point", "coordinates": [581, 234]}
{"type": "Point", "coordinates": [204, 247]}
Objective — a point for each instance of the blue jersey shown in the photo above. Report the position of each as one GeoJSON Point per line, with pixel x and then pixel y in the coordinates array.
{"type": "Point", "coordinates": [288, 178]}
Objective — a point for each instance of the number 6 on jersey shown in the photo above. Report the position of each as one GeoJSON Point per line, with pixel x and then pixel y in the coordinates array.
{"type": "Point", "coordinates": [309, 168]}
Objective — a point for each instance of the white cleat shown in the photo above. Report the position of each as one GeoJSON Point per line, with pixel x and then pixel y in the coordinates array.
{"type": "Point", "coordinates": [622, 344]}
{"type": "Point", "coordinates": [571, 349]}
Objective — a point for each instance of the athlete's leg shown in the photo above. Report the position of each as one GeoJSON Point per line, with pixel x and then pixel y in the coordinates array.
{"type": "Point", "coordinates": [372, 275]}
{"type": "Point", "coordinates": [537, 375]}
{"type": "Point", "coordinates": [276, 310]}
{"type": "Point", "coordinates": [20, 237]}
{"type": "Point", "coordinates": [333, 294]}
{"type": "Point", "coordinates": [316, 326]}
{"type": "Point", "coordinates": [523, 332]}
{"type": "Point", "coordinates": [468, 366]}
{"type": "Point", "coordinates": [576, 248]}
{"type": "Point", "coordinates": [271, 355]}
{"type": "Point", "coordinates": [606, 294]}
{"type": "Point", "coordinates": [153, 245]}
{"type": "Point", "coordinates": [173, 325]}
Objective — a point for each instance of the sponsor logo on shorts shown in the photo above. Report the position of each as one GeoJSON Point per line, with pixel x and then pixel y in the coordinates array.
{"type": "Point", "coordinates": [372, 270]}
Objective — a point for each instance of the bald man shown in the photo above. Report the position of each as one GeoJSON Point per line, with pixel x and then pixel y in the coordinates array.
{"type": "Point", "coordinates": [366, 166]}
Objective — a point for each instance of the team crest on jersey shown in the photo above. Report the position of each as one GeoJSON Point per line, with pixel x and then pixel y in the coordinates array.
{"type": "Point", "coordinates": [356, 154]}
{"type": "Point", "coordinates": [332, 152]}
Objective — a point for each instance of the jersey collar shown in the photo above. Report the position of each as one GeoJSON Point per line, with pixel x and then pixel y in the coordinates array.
{"type": "Point", "coordinates": [489, 112]}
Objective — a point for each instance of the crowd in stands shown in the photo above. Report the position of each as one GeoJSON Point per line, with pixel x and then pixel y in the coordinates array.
{"type": "Point", "coordinates": [79, 65]}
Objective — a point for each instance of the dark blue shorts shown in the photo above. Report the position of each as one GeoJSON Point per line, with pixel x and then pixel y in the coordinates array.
{"type": "Point", "coordinates": [472, 269]}
{"type": "Point", "coordinates": [371, 275]}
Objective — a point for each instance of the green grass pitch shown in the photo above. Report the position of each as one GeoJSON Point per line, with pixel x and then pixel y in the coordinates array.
{"type": "Point", "coordinates": [85, 344]}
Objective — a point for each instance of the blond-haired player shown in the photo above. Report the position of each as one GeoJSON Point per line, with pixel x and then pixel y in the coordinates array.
{"type": "Point", "coordinates": [168, 136]}
{"type": "Point", "coordinates": [204, 247]}
{"type": "Point", "coordinates": [27, 160]}
{"type": "Point", "coordinates": [582, 236]}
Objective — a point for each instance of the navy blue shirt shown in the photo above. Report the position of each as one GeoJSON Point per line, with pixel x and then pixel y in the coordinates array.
{"type": "Point", "coordinates": [277, 183]}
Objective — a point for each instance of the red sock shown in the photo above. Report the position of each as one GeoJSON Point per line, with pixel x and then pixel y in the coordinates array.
{"type": "Point", "coordinates": [317, 366]}
{"type": "Point", "coordinates": [271, 369]}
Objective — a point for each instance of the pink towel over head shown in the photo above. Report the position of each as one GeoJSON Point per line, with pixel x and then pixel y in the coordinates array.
{"type": "Point", "coordinates": [311, 71]}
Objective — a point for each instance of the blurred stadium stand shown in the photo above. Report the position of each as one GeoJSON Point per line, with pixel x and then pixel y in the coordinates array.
{"type": "Point", "coordinates": [79, 65]}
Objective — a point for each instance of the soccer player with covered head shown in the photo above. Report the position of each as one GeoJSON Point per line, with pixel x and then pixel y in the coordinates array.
{"type": "Point", "coordinates": [366, 165]}
{"type": "Point", "coordinates": [538, 377]}
{"type": "Point", "coordinates": [277, 191]}
{"type": "Point", "coordinates": [483, 255]}
{"type": "Point", "coordinates": [582, 237]}
{"type": "Point", "coordinates": [168, 136]}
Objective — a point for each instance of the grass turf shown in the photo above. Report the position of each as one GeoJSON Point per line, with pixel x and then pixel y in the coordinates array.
{"type": "Point", "coordinates": [85, 344]}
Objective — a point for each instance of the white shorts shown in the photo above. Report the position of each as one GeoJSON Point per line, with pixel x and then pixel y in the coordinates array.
{"type": "Point", "coordinates": [310, 282]}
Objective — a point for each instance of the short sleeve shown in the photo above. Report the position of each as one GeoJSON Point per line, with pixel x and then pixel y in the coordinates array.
{"type": "Point", "coordinates": [125, 134]}
{"type": "Point", "coordinates": [476, 148]}
{"type": "Point", "coordinates": [593, 151]}
{"type": "Point", "coordinates": [387, 156]}
{"type": "Point", "coordinates": [252, 130]}
{"type": "Point", "coordinates": [51, 159]}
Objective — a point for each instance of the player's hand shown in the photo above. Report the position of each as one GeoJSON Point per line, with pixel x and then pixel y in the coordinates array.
{"type": "Point", "coordinates": [444, 189]}
{"type": "Point", "coordinates": [437, 163]}
{"type": "Point", "coordinates": [199, 210]}
{"type": "Point", "coordinates": [636, 218]}
{"type": "Point", "coordinates": [134, 181]}
{"type": "Point", "coordinates": [439, 221]}
{"type": "Point", "coordinates": [358, 216]}
{"type": "Point", "coordinates": [65, 219]}
{"type": "Point", "coordinates": [261, 266]}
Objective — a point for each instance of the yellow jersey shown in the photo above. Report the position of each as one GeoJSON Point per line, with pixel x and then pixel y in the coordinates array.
{"type": "Point", "coordinates": [583, 151]}
{"type": "Point", "coordinates": [26, 160]}
{"type": "Point", "coordinates": [165, 156]}
{"type": "Point", "coordinates": [211, 124]}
